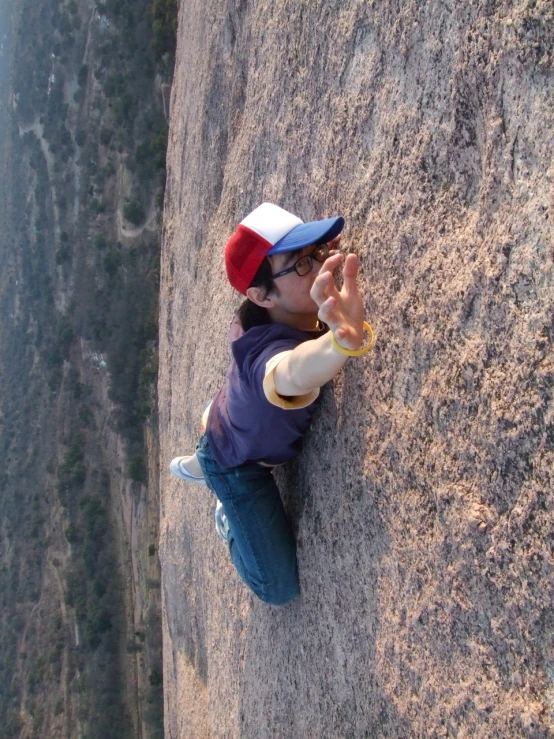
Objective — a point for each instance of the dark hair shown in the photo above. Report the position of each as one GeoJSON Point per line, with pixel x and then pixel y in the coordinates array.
{"type": "Point", "coordinates": [249, 313]}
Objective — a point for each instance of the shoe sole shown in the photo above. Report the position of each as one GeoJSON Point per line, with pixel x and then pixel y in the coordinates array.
{"type": "Point", "coordinates": [176, 469]}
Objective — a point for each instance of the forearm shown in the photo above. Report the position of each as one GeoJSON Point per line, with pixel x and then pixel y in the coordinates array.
{"type": "Point", "coordinates": [308, 367]}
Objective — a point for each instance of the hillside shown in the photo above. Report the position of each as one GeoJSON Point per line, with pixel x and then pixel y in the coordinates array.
{"type": "Point", "coordinates": [422, 502]}
{"type": "Point", "coordinates": [82, 184]}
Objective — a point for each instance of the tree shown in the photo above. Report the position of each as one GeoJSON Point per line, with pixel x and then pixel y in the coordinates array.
{"type": "Point", "coordinates": [156, 678]}
{"type": "Point", "coordinates": [137, 469]}
{"type": "Point", "coordinates": [105, 136]}
{"type": "Point", "coordinates": [63, 254]}
{"type": "Point", "coordinates": [112, 262]}
{"type": "Point", "coordinates": [134, 212]}
{"type": "Point", "coordinates": [82, 76]}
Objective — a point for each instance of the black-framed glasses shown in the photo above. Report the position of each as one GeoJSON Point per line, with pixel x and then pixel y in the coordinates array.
{"type": "Point", "coordinates": [304, 265]}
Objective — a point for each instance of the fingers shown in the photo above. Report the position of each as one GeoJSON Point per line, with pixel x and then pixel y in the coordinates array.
{"type": "Point", "coordinates": [324, 292]}
{"type": "Point", "coordinates": [350, 273]}
{"type": "Point", "coordinates": [323, 287]}
{"type": "Point", "coordinates": [324, 284]}
{"type": "Point", "coordinates": [329, 313]}
{"type": "Point", "coordinates": [331, 263]}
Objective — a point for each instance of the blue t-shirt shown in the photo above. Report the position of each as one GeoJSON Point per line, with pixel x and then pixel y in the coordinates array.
{"type": "Point", "coordinates": [243, 426]}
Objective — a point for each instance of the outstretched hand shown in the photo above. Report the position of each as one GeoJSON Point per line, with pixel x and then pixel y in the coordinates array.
{"type": "Point", "coordinates": [342, 310]}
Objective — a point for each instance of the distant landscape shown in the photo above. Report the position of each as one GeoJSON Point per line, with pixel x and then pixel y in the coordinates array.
{"type": "Point", "coordinates": [84, 91]}
{"type": "Point", "coordinates": [5, 55]}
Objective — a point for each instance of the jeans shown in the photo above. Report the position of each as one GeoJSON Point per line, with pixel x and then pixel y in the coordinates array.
{"type": "Point", "coordinates": [260, 539]}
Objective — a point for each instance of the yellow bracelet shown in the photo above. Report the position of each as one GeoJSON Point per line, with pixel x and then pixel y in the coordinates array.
{"type": "Point", "coordinates": [355, 352]}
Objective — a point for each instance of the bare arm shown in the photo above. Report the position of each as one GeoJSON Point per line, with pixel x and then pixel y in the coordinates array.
{"type": "Point", "coordinates": [307, 367]}
{"type": "Point", "coordinates": [314, 363]}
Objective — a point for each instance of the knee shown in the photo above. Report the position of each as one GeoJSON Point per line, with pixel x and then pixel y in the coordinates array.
{"type": "Point", "coordinates": [280, 592]}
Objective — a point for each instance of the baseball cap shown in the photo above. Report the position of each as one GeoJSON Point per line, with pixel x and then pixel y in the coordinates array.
{"type": "Point", "coordinates": [271, 230]}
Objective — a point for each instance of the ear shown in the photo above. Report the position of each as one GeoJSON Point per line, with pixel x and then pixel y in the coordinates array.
{"type": "Point", "coordinates": [256, 295]}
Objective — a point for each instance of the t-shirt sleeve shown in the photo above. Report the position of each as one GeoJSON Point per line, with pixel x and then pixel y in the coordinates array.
{"type": "Point", "coordinates": [289, 402]}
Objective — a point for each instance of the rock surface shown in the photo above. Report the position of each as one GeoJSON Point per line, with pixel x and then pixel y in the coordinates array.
{"type": "Point", "coordinates": [423, 501]}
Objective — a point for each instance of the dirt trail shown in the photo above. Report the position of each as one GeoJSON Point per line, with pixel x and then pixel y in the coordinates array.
{"type": "Point", "coordinates": [149, 221]}
{"type": "Point", "coordinates": [38, 130]}
{"type": "Point", "coordinates": [422, 502]}
{"type": "Point", "coordinates": [134, 232]}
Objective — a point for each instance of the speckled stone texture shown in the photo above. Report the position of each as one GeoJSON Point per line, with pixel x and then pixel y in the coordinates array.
{"type": "Point", "coordinates": [423, 501]}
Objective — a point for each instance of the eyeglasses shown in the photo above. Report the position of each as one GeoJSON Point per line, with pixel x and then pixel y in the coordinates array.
{"type": "Point", "coordinates": [304, 265]}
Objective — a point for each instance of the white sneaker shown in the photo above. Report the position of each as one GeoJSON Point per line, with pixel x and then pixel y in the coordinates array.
{"type": "Point", "coordinates": [177, 467]}
{"type": "Point", "coordinates": [221, 523]}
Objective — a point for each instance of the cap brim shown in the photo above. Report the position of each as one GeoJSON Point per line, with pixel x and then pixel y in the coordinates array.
{"type": "Point", "coordinates": [309, 233]}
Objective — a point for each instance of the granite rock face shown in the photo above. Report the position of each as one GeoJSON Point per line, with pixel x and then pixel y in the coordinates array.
{"type": "Point", "coordinates": [423, 500]}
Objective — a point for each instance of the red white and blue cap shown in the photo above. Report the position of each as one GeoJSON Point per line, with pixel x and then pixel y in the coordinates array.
{"type": "Point", "coordinates": [271, 230]}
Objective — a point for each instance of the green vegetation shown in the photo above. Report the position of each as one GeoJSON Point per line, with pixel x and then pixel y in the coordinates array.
{"type": "Point", "coordinates": [137, 469]}
{"type": "Point", "coordinates": [71, 289]}
{"type": "Point", "coordinates": [134, 212]}
{"type": "Point", "coordinates": [163, 14]}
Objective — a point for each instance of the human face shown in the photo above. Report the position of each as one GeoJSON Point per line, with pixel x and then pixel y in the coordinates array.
{"type": "Point", "coordinates": [304, 265]}
{"type": "Point", "coordinates": [290, 302]}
